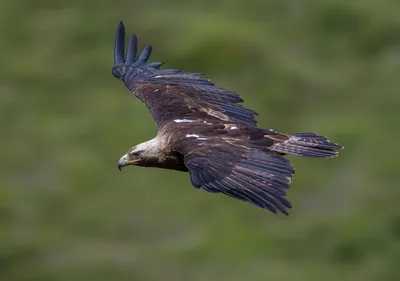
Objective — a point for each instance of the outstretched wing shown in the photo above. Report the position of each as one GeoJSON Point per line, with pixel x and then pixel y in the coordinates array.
{"type": "Point", "coordinates": [257, 176]}
{"type": "Point", "coordinates": [170, 94]}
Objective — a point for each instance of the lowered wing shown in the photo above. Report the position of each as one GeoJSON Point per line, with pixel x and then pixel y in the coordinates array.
{"type": "Point", "coordinates": [170, 94]}
{"type": "Point", "coordinates": [260, 177]}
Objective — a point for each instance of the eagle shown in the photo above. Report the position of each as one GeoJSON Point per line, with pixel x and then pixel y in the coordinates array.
{"type": "Point", "coordinates": [204, 130]}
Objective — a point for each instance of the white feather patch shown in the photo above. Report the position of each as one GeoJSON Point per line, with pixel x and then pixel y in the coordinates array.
{"type": "Point", "coordinates": [184, 121]}
{"type": "Point", "coordinates": [230, 127]}
{"type": "Point", "coordinates": [195, 136]}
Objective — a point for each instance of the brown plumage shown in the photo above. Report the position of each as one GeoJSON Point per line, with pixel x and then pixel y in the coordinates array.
{"type": "Point", "coordinates": [204, 130]}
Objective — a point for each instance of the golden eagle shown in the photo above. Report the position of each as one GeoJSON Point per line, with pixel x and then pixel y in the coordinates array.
{"type": "Point", "coordinates": [203, 130]}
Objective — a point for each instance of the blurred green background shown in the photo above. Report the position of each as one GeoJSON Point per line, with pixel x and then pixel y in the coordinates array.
{"type": "Point", "coordinates": [67, 213]}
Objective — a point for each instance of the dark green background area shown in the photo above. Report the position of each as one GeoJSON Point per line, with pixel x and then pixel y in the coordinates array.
{"type": "Point", "coordinates": [67, 213]}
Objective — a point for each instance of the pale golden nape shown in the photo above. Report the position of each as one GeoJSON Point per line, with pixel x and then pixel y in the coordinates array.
{"type": "Point", "coordinates": [153, 148]}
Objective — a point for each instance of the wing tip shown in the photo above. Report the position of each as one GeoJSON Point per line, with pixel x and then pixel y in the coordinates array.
{"type": "Point", "coordinates": [144, 55]}
{"type": "Point", "coordinates": [119, 44]}
{"type": "Point", "coordinates": [119, 48]}
{"type": "Point", "coordinates": [132, 49]}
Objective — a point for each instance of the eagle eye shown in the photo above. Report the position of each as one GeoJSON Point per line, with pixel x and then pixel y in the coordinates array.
{"type": "Point", "coordinates": [135, 154]}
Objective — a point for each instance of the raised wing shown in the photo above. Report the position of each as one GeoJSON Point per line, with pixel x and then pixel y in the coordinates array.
{"type": "Point", "coordinates": [257, 176]}
{"type": "Point", "coordinates": [170, 94]}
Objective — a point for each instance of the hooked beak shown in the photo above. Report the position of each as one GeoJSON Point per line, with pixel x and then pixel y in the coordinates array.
{"type": "Point", "coordinates": [122, 162]}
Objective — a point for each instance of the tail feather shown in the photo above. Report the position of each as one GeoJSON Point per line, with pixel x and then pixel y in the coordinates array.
{"type": "Point", "coordinates": [307, 145]}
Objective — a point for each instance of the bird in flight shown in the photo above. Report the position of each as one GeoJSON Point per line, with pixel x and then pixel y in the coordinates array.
{"type": "Point", "coordinates": [205, 131]}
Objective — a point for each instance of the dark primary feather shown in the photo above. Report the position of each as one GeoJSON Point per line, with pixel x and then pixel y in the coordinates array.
{"type": "Point", "coordinates": [132, 49]}
{"type": "Point", "coordinates": [171, 94]}
{"type": "Point", "coordinates": [131, 67]}
{"type": "Point", "coordinates": [144, 55]}
{"type": "Point", "coordinates": [119, 48]}
{"type": "Point", "coordinates": [257, 176]}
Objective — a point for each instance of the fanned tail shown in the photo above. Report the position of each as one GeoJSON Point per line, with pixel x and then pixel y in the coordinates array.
{"type": "Point", "coordinates": [307, 145]}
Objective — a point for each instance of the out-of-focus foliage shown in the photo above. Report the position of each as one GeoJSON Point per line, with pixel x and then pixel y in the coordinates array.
{"type": "Point", "coordinates": [67, 213]}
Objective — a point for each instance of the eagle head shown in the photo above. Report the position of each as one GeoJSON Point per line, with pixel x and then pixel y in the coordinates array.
{"type": "Point", "coordinates": [148, 153]}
